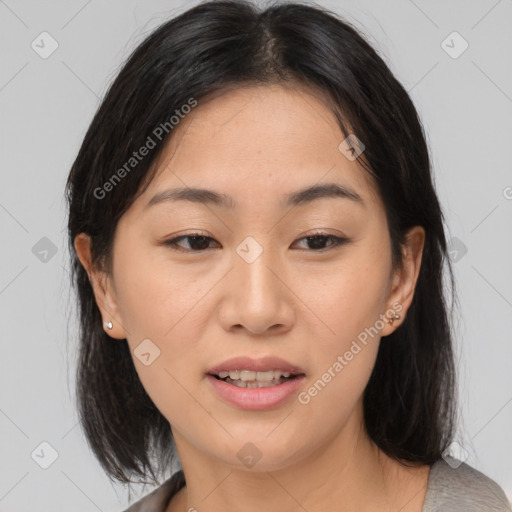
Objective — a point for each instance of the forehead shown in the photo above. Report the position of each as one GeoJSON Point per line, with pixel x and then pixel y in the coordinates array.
{"type": "Point", "coordinates": [270, 140]}
{"type": "Point", "coordinates": [264, 120]}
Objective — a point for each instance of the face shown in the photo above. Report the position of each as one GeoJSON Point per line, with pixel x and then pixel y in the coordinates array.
{"type": "Point", "coordinates": [264, 274]}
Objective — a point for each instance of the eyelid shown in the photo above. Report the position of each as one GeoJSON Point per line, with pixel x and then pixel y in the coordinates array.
{"type": "Point", "coordinates": [337, 241]}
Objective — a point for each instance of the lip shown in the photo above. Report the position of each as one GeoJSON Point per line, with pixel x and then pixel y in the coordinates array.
{"type": "Point", "coordinates": [257, 365]}
{"type": "Point", "coordinates": [256, 398]}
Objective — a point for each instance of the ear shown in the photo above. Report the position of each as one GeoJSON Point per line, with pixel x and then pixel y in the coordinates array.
{"type": "Point", "coordinates": [404, 279]}
{"type": "Point", "coordinates": [102, 285]}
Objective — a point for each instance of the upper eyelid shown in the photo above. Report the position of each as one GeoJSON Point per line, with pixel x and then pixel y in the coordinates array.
{"type": "Point", "coordinates": [175, 240]}
{"type": "Point", "coordinates": [191, 235]}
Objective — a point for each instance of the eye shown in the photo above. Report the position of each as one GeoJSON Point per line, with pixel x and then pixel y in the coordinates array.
{"type": "Point", "coordinates": [198, 242]}
{"type": "Point", "coordinates": [318, 241]}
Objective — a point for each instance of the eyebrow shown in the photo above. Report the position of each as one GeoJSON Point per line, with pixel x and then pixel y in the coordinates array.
{"type": "Point", "coordinates": [300, 197]}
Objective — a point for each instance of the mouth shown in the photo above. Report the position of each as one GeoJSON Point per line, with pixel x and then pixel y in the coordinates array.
{"type": "Point", "coordinates": [256, 384]}
{"type": "Point", "coordinates": [246, 372]}
{"type": "Point", "coordinates": [252, 379]}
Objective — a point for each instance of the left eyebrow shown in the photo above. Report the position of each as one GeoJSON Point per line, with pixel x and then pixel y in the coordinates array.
{"type": "Point", "coordinates": [327, 190]}
{"type": "Point", "coordinates": [300, 197]}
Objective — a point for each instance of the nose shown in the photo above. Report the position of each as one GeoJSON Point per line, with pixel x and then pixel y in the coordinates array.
{"type": "Point", "coordinates": [256, 297]}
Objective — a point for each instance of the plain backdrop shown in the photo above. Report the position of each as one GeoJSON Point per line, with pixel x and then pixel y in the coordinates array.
{"type": "Point", "coordinates": [464, 96]}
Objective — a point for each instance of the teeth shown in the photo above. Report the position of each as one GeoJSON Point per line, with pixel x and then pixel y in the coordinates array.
{"type": "Point", "coordinates": [252, 379]}
{"type": "Point", "coordinates": [242, 384]}
{"type": "Point", "coordinates": [251, 376]}
{"type": "Point", "coordinates": [247, 375]}
{"type": "Point", "coordinates": [266, 376]}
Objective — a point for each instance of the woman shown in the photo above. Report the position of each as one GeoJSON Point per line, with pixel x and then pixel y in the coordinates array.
{"type": "Point", "coordinates": [258, 253]}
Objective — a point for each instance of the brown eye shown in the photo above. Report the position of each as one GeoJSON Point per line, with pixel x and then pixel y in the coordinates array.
{"type": "Point", "coordinates": [318, 242]}
{"type": "Point", "coordinates": [197, 242]}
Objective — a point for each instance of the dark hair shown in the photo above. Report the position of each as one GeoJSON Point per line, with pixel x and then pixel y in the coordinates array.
{"type": "Point", "coordinates": [409, 402]}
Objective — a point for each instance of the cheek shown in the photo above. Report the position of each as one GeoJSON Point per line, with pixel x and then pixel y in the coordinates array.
{"type": "Point", "coordinates": [163, 305]}
{"type": "Point", "coordinates": [346, 303]}
{"type": "Point", "coordinates": [346, 330]}
{"type": "Point", "coordinates": [157, 298]}
{"type": "Point", "coordinates": [346, 345]}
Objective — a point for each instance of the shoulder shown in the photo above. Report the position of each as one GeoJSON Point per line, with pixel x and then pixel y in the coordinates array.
{"type": "Point", "coordinates": [159, 498]}
{"type": "Point", "coordinates": [460, 487]}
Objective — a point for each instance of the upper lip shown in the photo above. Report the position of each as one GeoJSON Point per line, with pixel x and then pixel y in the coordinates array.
{"type": "Point", "coordinates": [256, 365]}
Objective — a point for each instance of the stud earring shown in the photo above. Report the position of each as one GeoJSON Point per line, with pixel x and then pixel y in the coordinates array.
{"type": "Point", "coordinates": [392, 318]}
{"type": "Point", "coordinates": [109, 325]}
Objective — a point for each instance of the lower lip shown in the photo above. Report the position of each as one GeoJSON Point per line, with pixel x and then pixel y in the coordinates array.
{"type": "Point", "coordinates": [256, 399]}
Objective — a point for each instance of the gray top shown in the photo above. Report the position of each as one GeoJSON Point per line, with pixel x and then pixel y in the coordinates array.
{"type": "Point", "coordinates": [460, 488]}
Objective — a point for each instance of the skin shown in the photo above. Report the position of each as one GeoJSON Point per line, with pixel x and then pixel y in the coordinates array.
{"type": "Point", "coordinates": [201, 308]}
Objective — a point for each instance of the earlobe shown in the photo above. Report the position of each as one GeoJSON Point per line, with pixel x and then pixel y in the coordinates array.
{"type": "Point", "coordinates": [390, 317]}
{"type": "Point", "coordinates": [393, 317]}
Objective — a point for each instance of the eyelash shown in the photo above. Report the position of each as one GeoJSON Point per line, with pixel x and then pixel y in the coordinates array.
{"type": "Point", "coordinates": [336, 241]}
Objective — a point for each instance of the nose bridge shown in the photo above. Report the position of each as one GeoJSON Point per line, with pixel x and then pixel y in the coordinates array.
{"type": "Point", "coordinates": [254, 264]}
{"type": "Point", "coordinates": [259, 299]}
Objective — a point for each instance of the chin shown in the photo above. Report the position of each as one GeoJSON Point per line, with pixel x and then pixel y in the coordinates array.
{"type": "Point", "coordinates": [262, 453]}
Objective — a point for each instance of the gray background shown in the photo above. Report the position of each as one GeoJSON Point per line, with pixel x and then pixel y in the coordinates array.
{"type": "Point", "coordinates": [46, 106]}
